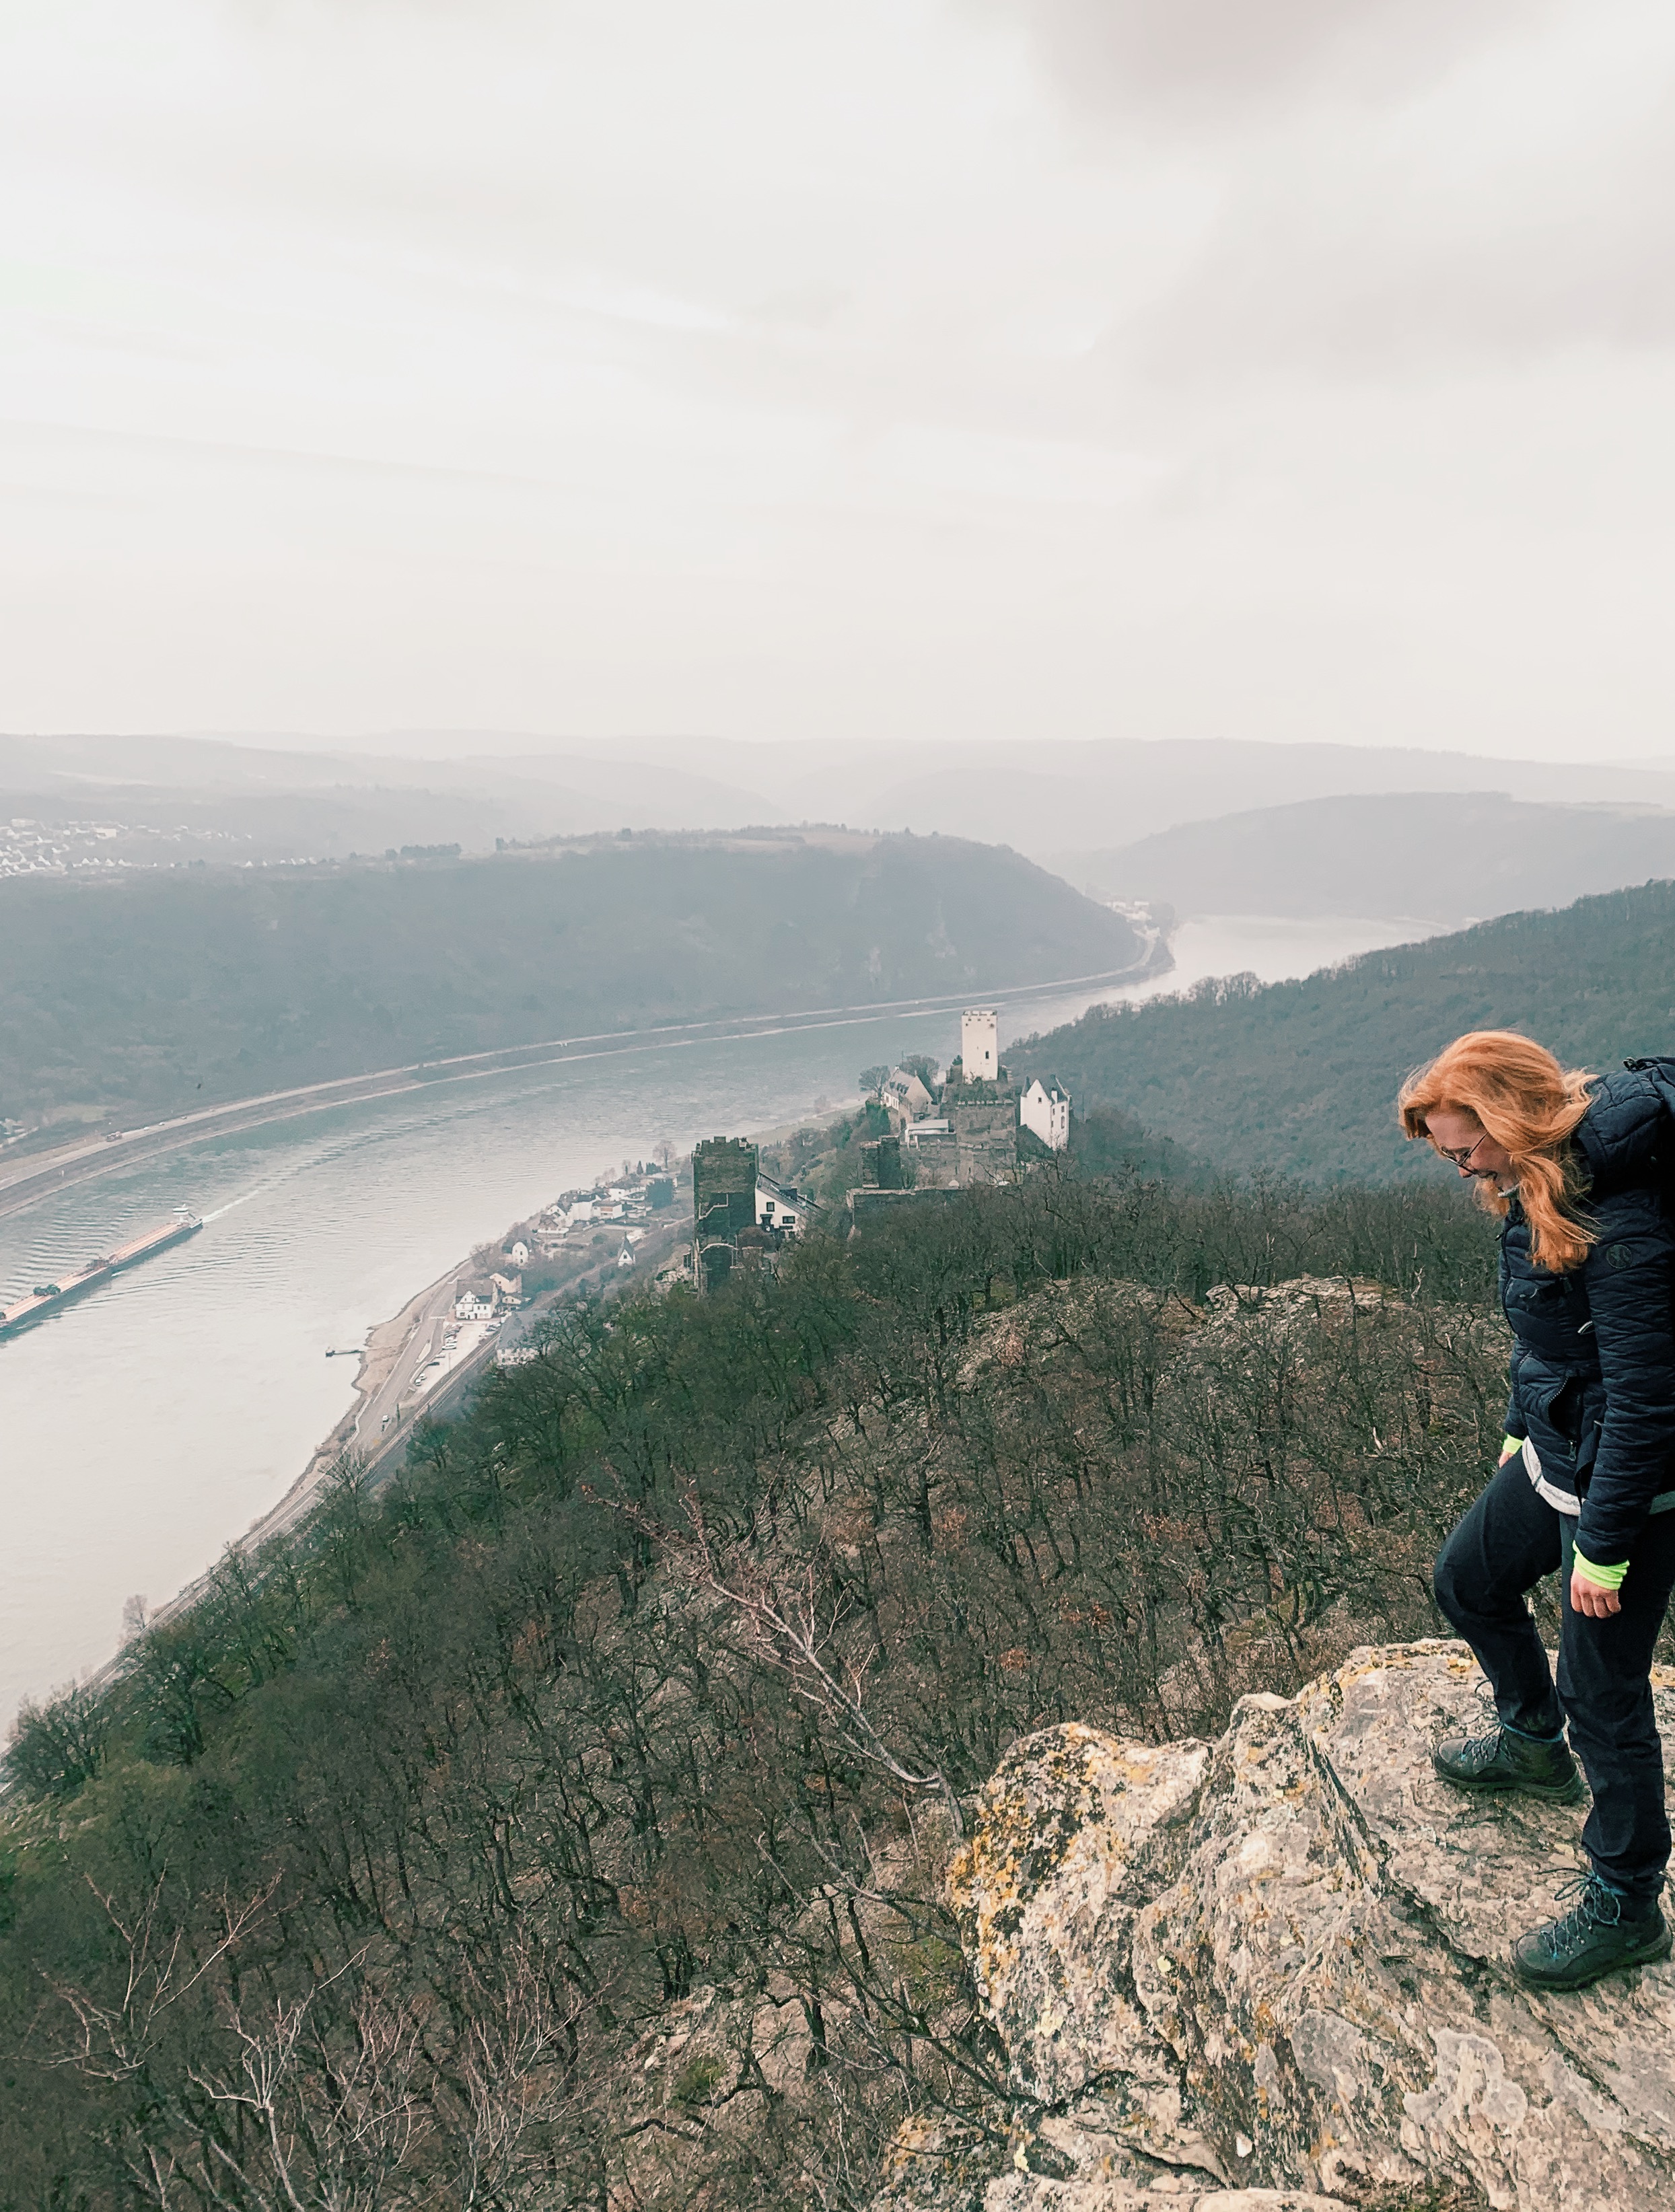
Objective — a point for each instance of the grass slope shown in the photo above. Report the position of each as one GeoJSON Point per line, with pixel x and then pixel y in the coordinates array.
{"type": "Point", "coordinates": [137, 991]}
{"type": "Point", "coordinates": [1300, 1077]}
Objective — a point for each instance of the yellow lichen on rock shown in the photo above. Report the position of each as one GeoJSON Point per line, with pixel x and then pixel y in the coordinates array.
{"type": "Point", "coordinates": [1071, 1835]}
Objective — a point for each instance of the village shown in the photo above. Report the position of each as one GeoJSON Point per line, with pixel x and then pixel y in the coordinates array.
{"type": "Point", "coordinates": [599, 1231]}
{"type": "Point", "coordinates": [919, 1137]}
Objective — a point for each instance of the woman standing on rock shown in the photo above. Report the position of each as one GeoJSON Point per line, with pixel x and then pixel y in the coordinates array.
{"type": "Point", "coordinates": [1587, 1480]}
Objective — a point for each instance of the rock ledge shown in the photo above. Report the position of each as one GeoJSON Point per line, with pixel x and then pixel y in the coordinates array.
{"type": "Point", "coordinates": [1273, 1972]}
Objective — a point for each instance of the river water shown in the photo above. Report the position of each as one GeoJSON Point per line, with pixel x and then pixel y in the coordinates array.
{"type": "Point", "coordinates": [152, 1422]}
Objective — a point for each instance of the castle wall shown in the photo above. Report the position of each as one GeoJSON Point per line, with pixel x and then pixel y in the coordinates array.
{"type": "Point", "coordinates": [986, 1138]}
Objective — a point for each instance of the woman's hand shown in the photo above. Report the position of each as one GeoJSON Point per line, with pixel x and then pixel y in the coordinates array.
{"type": "Point", "coordinates": [1587, 1597]}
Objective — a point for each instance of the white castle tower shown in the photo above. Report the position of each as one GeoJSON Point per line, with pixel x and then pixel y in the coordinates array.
{"type": "Point", "coordinates": [980, 1044]}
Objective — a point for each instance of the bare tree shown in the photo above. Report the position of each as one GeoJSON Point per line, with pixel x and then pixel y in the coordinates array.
{"type": "Point", "coordinates": [789, 1629]}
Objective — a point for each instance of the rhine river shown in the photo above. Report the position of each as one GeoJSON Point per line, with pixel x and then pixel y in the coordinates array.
{"type": "Point", "coordinates": [152, 1422]}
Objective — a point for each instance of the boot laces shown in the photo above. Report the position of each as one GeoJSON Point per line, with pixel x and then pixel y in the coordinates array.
{"type": "Point", "coordinates": [1597, 1905]}
{"type": "Point", "coordinates": [1480, 1751]}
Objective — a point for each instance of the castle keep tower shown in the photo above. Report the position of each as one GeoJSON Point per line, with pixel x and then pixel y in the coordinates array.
{"type": "Point", "coordinates": [980, 1044]}
{"type": "Point", "coordinates": [724, 1202]}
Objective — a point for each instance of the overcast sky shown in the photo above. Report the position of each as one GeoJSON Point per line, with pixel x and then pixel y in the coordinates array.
{"type": "Point", "coordinates": [899, 368]}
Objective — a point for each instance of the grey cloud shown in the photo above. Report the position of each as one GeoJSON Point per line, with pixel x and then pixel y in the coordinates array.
{"type": "Point", "coordinates": [1389, 271]}
{"type": "Point", "coordinates": [1213, 56]}
{"type": "Point", "coordinates": [742, 367]}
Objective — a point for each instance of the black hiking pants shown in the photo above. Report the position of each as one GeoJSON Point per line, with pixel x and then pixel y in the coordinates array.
{"type": "Point", "coordinates": [1508, 1541]}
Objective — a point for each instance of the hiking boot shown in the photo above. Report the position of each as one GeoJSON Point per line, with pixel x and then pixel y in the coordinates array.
{"type": "Point", "coordinates": [1597, 1936]}
{"type": "Point", "coordinates": [1505, 1760]}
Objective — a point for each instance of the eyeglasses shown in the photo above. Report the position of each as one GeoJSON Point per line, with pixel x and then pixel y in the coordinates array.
{"type": "Point", "coordinates": [1460, 1158]}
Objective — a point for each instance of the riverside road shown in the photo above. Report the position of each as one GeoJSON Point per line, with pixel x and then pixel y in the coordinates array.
{"type": "Point", "coordinates": [28, 1177]}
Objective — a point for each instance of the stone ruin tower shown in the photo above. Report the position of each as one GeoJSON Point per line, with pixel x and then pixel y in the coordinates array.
{"type": "Point", "coordinates": [724, 1207]}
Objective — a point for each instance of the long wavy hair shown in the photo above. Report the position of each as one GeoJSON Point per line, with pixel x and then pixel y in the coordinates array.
{"type": "Point", "coordinates": [1528, 1105]}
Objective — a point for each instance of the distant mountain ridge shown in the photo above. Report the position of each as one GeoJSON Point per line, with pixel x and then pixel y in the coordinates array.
{"type": "Point", "coordinates": [1442, 856]}
{"type": "Point", "coordinates": [1301, 1078]}
{"type": "Point", "coordinates": [1040, 795]}
{"type": "Point", "coordinates": [234, 802]}
{"type": "Point", "coordinates": [148, 989]}
{"type": "Point", "coordinates": [211, 764]}
{"type": "Point", "coordinates": [1045, 795]}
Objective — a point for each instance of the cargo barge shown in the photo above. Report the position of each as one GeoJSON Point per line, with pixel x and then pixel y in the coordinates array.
{"type": "Point", "coordinates": [46, 1297]}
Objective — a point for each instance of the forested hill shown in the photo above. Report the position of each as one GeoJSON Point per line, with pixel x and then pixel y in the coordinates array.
{"type": "Point", "coordinates": [145, 990]}
{"type": "Point", "coordinates": [1448, 856]}
{"type": "Point", "coordinates": [565, 1824]}
{"type": "Point", "coordinates": [1300, 1077]}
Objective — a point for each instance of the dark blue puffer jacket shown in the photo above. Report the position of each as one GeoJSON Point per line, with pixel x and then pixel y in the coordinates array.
{"type": "Point", "coordinates": [1593, 1354]}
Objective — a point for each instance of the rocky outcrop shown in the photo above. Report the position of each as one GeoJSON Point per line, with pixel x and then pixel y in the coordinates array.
{"type": "Point", "coordinates": [1273, 1972]}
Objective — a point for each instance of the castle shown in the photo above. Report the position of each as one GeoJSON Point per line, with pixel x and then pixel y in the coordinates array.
{"type": "Point", "coordinates": [942, 1137]}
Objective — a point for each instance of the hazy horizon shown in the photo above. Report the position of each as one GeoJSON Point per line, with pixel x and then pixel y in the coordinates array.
{"type": "Point", "coordinates": [964, 369]}
{"type": "Point", "coordinates": [448, 746]}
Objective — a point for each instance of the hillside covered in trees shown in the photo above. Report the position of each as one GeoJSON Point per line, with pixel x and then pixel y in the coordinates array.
{"type": "Point", "coordinates": [564, 1826]}
{"type": "Point", "coordinates": [1440, 856]}
{"type": "Point", "coordinates": [1301, 1078]}
{"type": "Point", "coordinates": [147, 990]}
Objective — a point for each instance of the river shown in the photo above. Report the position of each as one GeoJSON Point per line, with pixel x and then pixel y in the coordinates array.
{"type": "Point", "coordinates": [153, 1422]}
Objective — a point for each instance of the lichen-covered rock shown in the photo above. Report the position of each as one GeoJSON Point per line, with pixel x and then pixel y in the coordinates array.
{"type": "Point", "coordinates": [1076, 1833]}
{"type": "Point", "coordinates": [1275, 1971]}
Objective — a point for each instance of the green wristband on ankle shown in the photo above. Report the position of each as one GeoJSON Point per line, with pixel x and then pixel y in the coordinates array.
{"type": "Point", "coordinates": [1601, 1577]}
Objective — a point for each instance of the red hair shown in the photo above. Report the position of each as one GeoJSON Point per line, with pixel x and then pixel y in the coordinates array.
{"type": "Point", "coordinates": [1526, 1103]}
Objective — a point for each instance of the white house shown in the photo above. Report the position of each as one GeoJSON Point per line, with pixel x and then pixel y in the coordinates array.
{"type": "Point", "coordinates": [980, 1044]}
{"type": "Point", "coordinates": [779, 1207]}
{"type": "Point", "coordinates": [509, 1288]}
{"type": "Point", "coordinates": [1045, 1109]}
{"type": "Point", "coordinates": [519, 1254]}
{"type": "Point", "coordinates": [468, 1306]}
{"type": "Point", "coordinates": [907, 1094]}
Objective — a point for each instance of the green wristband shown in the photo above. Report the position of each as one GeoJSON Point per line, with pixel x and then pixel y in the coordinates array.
{"type": "Point", "coordinates": [1510, 1445]}
{"type": "Point", "coordinates": [1609, 1579]}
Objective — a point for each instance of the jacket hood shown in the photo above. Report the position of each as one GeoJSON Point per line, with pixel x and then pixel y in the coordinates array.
{"type": "Point", "coordinates": [1625, 1136]}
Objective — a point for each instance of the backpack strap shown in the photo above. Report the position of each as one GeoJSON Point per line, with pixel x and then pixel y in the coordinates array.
{"type": "Point", "coordinates": [1661, 1069]}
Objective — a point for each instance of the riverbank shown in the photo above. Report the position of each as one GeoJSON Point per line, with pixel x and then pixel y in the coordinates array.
{"type": "Point", "coordinates": [389, 1351]}
{"type": "Point", "coordinates": [390, 1362]}
{"type": "Point", "coordinates": [34, 1168]}
{"type": "Point", "coordinates": [389, 1403]}
{"type": "Point", "coordinates": [173, 1413]}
